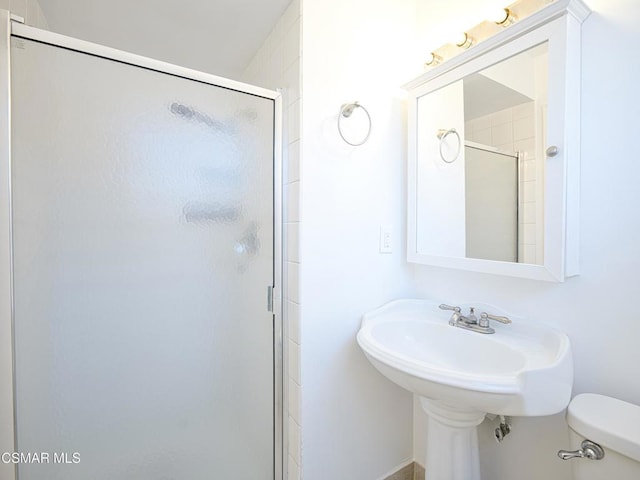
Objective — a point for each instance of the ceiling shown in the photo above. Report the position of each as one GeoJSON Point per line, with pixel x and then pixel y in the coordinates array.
{"type": "Point", "coordinates": [215, 36]}
{"type": "Point", "coordinates": [483, 96]}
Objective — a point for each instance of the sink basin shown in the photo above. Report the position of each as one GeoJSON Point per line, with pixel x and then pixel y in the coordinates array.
{"type": "Point", "coordinates": [523, 369]}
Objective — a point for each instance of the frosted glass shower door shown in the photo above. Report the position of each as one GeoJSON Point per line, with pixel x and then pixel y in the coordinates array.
{"type": "Point", "coordinates": [143, 247]}
{"type": "Point", "coordinates": [491, 212]}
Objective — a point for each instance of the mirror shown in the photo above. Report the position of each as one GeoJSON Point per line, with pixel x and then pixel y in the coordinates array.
{"type": "Point", "coordinates": [494, 151]}
{"type": "Point", "coordinates": [480, 174]}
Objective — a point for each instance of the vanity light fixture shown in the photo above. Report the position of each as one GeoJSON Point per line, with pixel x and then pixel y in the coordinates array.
{"type": "Point", "coordinates": [464, 41]}
{"type": "Point", "coordinates": [495, 20]}
{"type": "Point", "coordinates": [503, 17]}
{"type": "Point", "coordinates": [432, 60]}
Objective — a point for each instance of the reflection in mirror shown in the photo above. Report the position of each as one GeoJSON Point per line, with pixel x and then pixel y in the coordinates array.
{"type": "Point", "coordinates": [491, 203]}
{"type": "Point", "coordinates": [480, 172]}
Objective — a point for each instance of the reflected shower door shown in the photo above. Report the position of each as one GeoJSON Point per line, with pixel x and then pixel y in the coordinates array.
{"type": "Point", "coordinates": [491, 205]}
{"type": "Point", "coordinates": [143, 247]}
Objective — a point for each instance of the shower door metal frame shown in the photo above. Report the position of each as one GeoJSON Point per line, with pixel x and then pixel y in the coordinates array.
{"type": "Point", "coordinates": [9, 28]}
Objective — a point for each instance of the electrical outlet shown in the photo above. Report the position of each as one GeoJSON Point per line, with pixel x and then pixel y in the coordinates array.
{"type": "Point", "coordinates": [386, 239]}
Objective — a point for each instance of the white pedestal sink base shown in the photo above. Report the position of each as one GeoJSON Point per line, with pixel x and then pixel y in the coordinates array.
{"type": "Point", "coordinates": [523, 370]}
{"type": "Point", "coordinates": [452, 441]}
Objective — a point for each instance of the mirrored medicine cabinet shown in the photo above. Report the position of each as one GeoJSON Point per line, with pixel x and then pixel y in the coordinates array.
{"type": "Point", "coordinates": [494, 152]}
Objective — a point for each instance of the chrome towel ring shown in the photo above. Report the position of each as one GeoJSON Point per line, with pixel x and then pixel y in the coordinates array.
{"type": "Point", "coordinates": [442, 134]}
{"type": "Point", "coordinates": [345, 112]}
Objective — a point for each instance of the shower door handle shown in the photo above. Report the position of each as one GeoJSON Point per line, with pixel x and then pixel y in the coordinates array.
{"type": "Point", "coordinates": [270, 298]}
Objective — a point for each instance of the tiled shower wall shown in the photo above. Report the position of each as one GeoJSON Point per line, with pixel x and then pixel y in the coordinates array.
{"type": "Point", "coordinates": [513, 130]}
{"type": "Point", "coordinates": [28, 9]}
{"type": "Point", "coordinates": [277, 66]}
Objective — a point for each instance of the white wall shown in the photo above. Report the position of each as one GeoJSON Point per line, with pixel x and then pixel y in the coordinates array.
{"type": "Point", "coordinates": [347, 432]}
{"type": "Point", "coordinates": [595, 309]}
{"type": "Point", "coordinates": [355, 423]}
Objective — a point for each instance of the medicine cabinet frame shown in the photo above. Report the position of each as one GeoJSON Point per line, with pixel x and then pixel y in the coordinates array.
{"type": "Point", "coordinates": [559, 24]}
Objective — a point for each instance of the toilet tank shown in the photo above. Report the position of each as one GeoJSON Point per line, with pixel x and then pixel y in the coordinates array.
{"type": "Point", "coordinates": [615, 426]}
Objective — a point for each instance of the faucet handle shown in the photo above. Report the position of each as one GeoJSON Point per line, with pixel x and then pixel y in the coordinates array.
{"type": "Point", "coordinates": [485, 317]}
{"type": "Point", "coordinates": [444, 306]}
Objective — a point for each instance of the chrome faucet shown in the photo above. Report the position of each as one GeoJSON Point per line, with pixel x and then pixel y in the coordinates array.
{"type": "Point", "coordinates": [455, 316]}
{"type": "Point", "coordinates": [470, 319]}
{"type": "Point", "coordinates": [471, 322]}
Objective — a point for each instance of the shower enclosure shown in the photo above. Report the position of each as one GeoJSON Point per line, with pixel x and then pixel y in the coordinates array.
{"type": "Point", "coordinates": [140, 243]}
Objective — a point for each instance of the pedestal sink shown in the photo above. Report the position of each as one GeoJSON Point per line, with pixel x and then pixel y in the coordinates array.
{"type": "Point", "coordinates": [523, 369]}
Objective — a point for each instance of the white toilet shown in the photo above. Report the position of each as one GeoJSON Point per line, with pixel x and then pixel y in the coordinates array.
{"type": "Point", "coordinates": [611, 424]}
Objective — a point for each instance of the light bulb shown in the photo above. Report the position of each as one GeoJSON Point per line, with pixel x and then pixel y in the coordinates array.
{"type": "Point", "coordinates": [432, 60]}
{"type": "Point", "coordinates": [464, 40]}
{"type": "Point", "coordinates": [502, 16]}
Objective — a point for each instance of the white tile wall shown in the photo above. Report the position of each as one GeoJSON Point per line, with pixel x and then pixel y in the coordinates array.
{"type": "Point", "coordinates": [293, 203]}
{"type": "Point", "coordinates": [526, 145]}
{"type": "Point", "coordinates": [293, 246]}
{"type": "Point", "coordinates": [503, 117]}
{"type": "Point", "coordinates": [294, 362]}
{"type": "Point", "coordinates": [482, 136]}
{"type": "Point", "coordinates": [523, 110]}
{"type": "Point", "coordinates": [502, 134]}
{"type": "Point", "coordinates": [277, 66]}
{"type": "Point", "coordinates": [513, 130]}
{"type": "Point", "coordinates": [523, 127]}
{"type": "Point", "coordinates": [293, 163]}
{"type": "Point", "coordinates": [293, 321]}
{"type": "Point", "coordinates": [293, 281]}
{"type": "Point", "coordinates": [294, 399]}
{"type": "Point", "coordinates": [293, 468]}
{"type": "Point", "coordinates": [291, 79]}
{"type": "Point", "coordinates": [294, 443]}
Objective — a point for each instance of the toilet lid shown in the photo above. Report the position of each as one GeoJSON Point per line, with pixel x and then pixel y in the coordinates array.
{"type": "Point", "coordinates": [612, 423]}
